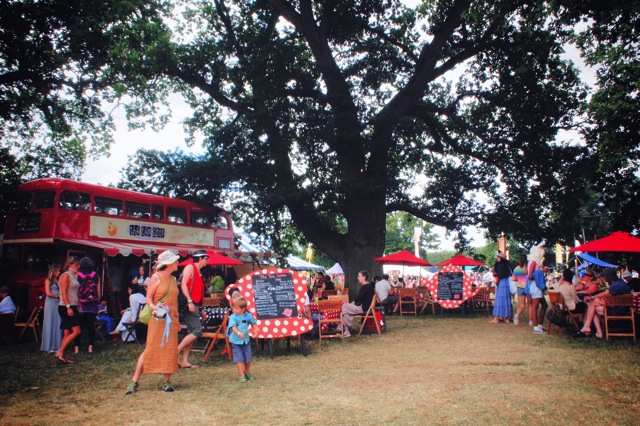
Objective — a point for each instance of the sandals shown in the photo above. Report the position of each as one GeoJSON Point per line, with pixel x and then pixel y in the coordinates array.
{"type": "Point", "coordinates": [581, 334]}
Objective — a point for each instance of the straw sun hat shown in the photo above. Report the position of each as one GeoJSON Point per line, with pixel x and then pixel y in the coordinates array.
{"type": "Point", "coordinates": [166, 258]}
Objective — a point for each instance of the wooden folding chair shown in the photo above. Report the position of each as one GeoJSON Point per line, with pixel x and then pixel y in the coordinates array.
{"type": "Point", "coordinates": [219, 334]}
{"type": "Point", "coordinates": [33, 323]}
{"type": "Point", "coordinates": [330, 323]}
{"type": "Point", "coordinates": [407, 298]}
{"type": "Point", "coordinates": [370, 314]}
{"type": "Point", "coordinates": [623, 301]}
{"type": "Point", "coordinates": [425, 300]}
{"type": "Point", "coordinates": [343, 297]}
{"type": "Point", "coordinates": [130, 327]}
{"type": "Point", "coordinates": [555, 299]}
{"type": "Point", "coordinates": [211, 301]}
{"type": "Point", "coordinates": [327, 293]}
{"type": "Point", "coordinates": [573, 316]}
{"type": "Point", "coordinates": [482, 299]}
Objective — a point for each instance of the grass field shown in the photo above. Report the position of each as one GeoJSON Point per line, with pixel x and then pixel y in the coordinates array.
{"type": "Point", "coordinates": [429, 370]}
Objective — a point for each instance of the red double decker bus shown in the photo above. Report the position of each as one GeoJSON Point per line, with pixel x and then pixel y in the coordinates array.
{"type": "Point", "coordinates": [57, 218]}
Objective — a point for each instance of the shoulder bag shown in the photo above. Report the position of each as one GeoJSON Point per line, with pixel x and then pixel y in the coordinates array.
{"type": "Point", "coordinates": [145, 314]}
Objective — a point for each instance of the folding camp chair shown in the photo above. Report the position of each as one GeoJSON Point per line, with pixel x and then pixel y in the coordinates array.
{"type": "Point", "coordinates": [426, 300]}
{"type": "Point", "coordinates": [370, 315]}
{"type": "Point", "coordinates": [407, 301]}
{"type": "Point", "coordinates": [130, 327]}
{"type": "Point", "coordinates": [219, 334]}
{"type": "Point", "coordinates": [330, 323]}
{"type": "Point", "coordinates": [625, 304]}
{"type": "Point", "coordinates": [33, 323]}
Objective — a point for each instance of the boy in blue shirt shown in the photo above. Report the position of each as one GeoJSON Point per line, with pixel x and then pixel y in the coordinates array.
{"type": "Point", "coordinates": [238, 332]}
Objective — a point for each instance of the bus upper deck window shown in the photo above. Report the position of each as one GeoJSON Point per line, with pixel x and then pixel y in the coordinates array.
{"type": "Point", "coordinates": [137, 210]}
{"type": "Point", "coordinates": [221, 222]}
{"type": "Point", "coordinates": [200, 219]}
{"type": "Point", "coordinates": [157, 212]}
{"type": "Point", "coordinates": [109, 206]}
{"type": "Point", "coordinates": [43, 200]}
{"type": "Point", "coordinates": [71, 200]}
{"type": "Point", "coordinates": [24, 200]}
{"type": "Point", "coordinates": [176, 215]}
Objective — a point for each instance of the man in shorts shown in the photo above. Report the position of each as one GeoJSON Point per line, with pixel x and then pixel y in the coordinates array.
{"type": "Point", "coordinates": [193, 289]}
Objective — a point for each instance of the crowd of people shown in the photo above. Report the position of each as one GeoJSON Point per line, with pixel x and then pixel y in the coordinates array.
{"type": "Point", "coordinates": [74, 301]}
{"type": "Point", "coordinates": [582, 295]}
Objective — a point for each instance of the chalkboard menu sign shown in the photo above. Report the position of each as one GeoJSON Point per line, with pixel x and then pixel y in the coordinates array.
{"type": "Point", "coordinates": [274, 296]}
{"type": "Point", "coordinates": [450, 285]}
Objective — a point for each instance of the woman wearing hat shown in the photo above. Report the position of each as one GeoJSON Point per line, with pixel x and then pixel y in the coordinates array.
{"type": "Point", "coordinates": [161, 351]}
{"type": "Point", "coordinates": [502, 309]}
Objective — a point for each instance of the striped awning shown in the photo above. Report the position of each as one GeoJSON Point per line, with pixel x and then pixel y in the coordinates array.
{"type": "Point", "coordinates": [297, 264]}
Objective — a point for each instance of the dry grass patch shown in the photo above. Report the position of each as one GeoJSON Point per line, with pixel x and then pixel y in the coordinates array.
{"type": "Point", "coordinates": [426, 370]}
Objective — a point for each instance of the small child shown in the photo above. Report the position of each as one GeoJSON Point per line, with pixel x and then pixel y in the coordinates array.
{"type": "Point", "coordinates": [102, 309]}
{"type": "Point", "coordinates": [103, 315]}
{"type": "Point", "coordinates": [238, 332]}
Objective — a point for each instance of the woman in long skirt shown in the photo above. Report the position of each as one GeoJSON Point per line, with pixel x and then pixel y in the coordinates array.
{"type": "Point", "coordinates": [161, 352]}
{"type": "Point", "coordinates": [51, 331]}
{"type": "Point", "coordinates": [502, 309]}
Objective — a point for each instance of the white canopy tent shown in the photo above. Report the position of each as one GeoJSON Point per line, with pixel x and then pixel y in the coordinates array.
{"type": "Point", "coordinates": [335, 269]}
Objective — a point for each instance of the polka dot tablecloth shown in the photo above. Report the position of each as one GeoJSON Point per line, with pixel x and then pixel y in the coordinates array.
{"type": "Point", "coordinates": [275, 327]}
{"type": "Point", "coordinates": [467, 288]}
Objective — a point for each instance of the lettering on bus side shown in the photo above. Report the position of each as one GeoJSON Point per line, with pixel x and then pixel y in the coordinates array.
{"type": "Point", "coordinates": [146, 231]}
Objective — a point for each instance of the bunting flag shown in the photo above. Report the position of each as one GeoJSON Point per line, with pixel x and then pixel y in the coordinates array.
{"type": "Point", "coordinates": [559, 252]}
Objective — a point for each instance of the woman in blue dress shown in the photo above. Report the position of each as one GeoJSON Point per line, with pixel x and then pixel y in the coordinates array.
{"type": "Point", "coordinates": [502, 309]}
{"type": "Point", "coordinates": [51, 331]}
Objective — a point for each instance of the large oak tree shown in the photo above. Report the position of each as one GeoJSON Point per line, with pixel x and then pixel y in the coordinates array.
{"type": "Point", "coordinates": [333, 114]}
{"type": "Point", "coordinates": [337, 113]}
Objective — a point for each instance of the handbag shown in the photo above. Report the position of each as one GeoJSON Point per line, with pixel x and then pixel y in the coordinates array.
{"type": "Point", "coordinates": [557, 316]}
{"type": "Point", "coordinates": [145, 314]}
{"type": "Point", "coordinates": [513, 286]}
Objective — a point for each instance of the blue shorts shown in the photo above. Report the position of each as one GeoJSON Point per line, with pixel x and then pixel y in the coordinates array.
{"type": "Point", "coordinates": [241, 353]}
{"type": "Point", "coordinates": [521, 292]}
{"type": "Point", "coordinates": [536, 293]}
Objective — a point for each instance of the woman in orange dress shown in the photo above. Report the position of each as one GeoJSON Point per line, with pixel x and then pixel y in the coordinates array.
{"type": "Point", "coordinates": [161, 352]}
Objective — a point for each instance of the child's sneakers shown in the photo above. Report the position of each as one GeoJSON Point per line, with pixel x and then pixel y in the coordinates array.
{"type": "Point", "coordinates": [243, 379]}
{"type": "Point", "coordinates": [168, 387]}
{"type": "Point", "coordinates": [248, 376]}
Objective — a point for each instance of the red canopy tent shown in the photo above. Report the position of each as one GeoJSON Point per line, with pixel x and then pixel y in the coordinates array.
{"type": "Point", "coordinates": [460, 260]}
{"type": "Point", "coordinates": [221, 260]}
{"type": "Point", "coordinates": [617, 241]}
{"type": "Point", "coordinates": [215, 259]}
{"type": "Point", "coordinates": [403, 258]}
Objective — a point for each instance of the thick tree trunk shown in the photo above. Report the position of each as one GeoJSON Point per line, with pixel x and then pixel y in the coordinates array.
{"type": "Point", "coordinates": [364, 242]}
{"type": "Point", "coordinates": [360, 259]}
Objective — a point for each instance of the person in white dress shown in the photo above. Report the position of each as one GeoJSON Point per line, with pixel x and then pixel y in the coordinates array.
{"type": "Point", "coordinates": [136, 298]}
